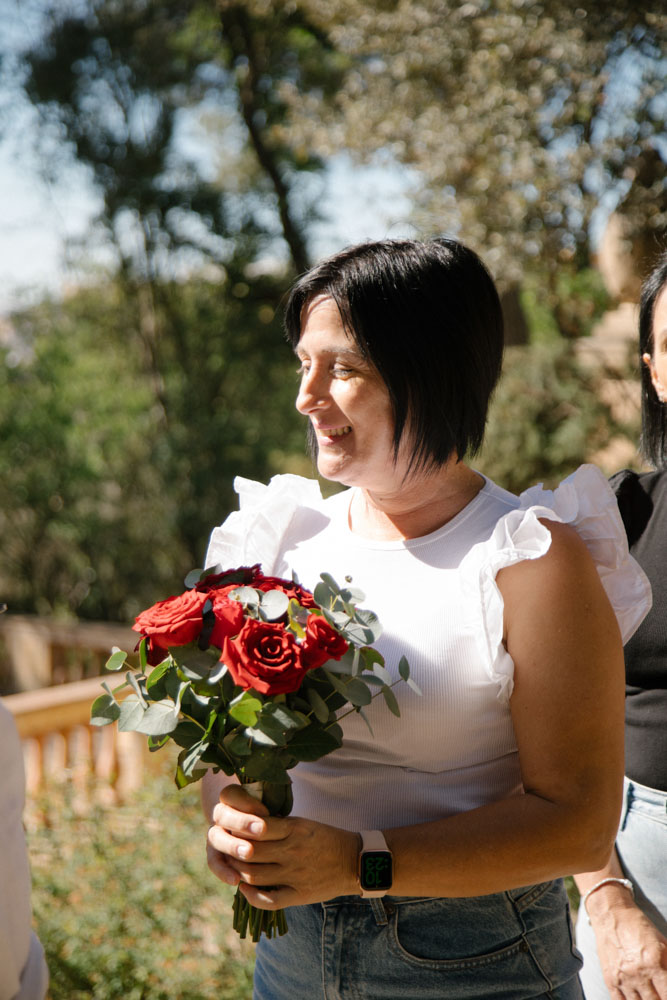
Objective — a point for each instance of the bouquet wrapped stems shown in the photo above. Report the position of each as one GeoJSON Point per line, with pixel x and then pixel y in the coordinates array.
{"type": "Point", "coordinates": [278, 800]}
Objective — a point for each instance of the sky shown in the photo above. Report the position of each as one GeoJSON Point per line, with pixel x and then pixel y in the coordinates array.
{"type": "Point", "coordinates": [40, 217]}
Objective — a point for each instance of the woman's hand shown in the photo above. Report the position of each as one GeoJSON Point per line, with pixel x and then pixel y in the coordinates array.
{"type": "Point", "coordinates": [279, 861]}
{"type": "Point", "coordinates": [632, 951]}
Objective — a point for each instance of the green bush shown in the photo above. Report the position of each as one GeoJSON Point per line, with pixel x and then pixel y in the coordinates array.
{"type": "Point", "coordinates": [125, 905]}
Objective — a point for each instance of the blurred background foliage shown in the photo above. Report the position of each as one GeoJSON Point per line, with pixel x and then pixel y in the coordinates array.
{"type": "Point", "coordinates": [167, 934]}
{"type": "Point", "coordinates": [128, 406]}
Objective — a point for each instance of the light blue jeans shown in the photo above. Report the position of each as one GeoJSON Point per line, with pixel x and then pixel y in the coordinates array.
{"type": "Point", "coordinates": [642, 849]}
{"type": "Point", "coordinates": [513, 945]}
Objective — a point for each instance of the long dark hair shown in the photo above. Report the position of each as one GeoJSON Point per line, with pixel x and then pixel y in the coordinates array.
{"type": "Point", "coordinates": [654, 412]}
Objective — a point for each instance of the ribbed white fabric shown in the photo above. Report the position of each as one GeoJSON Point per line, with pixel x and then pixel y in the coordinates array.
{"type": "Point", "coordinates": [453, 748]}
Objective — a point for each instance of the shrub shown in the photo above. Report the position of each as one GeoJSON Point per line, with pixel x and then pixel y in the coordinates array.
{"type": "Point", "coordinates": [125, 905]}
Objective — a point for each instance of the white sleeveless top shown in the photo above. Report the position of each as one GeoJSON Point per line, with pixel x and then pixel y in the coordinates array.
{"type": "Point", "coordinates": [453, 748]}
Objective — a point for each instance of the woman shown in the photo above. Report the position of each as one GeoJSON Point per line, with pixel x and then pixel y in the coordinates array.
{"type": "Point", "coordinates": [506, 772]}
{"type": "Point", "coordinates": [622, 926]}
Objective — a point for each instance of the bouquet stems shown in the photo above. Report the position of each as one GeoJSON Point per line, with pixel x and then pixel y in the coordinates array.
{"type": "Point", "coordinates": [246, 916]}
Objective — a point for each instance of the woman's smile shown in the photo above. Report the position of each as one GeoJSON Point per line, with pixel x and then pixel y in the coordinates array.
{"type": "Point", "coordinates": [346, 402]}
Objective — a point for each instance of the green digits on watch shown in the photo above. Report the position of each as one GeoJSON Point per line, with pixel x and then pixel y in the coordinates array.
{"type": "Point", "coordinates": [376, 864]}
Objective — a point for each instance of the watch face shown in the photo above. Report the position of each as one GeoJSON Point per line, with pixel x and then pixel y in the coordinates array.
{"type": "Point", "coordinates": [375, 874]}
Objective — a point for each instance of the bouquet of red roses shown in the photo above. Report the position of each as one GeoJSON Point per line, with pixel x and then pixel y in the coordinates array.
{"type": "Point", "coordinates": [249, 676]}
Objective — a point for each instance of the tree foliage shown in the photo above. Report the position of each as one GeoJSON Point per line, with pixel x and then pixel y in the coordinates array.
{"type": "Point", "coordinates": [519, 116]}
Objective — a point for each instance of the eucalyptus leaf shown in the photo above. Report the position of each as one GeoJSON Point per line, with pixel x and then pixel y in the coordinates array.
{"type": "Point", "coordinates": [352, 595]}
{"type": "Point", "coordinates": [117, 660]}
{"type": "Point", "coordinates": [318, 705]}
{"type": "Point", "coordinates": [237, 744]}
{"type": "Point", "coordinates": [364, 717]}
{"type": "Point", "coordinates": [134, 683]}
{"type": "Point", "coordinates": [414, 686]}
{"type": "Point", "coordinates": [189, 757]}
{"type": "Point", "coordinates": [195, 662]}
{"type": "Point", "coordinates": [187, 733]}
{"type": "Point", "coordinates": [390, 699]}
{"type": "Point", "coordinates": [313, 743]}
{"type": "Point", "coordinates": [323, 595]}
{"type": "Point", "coordinates": [192, 579]}
{"type": "Point", "coordinates": [273, 605]}
{"type": "Point", "coordinates": [143, 653]}
{"type": "Point", "coordinates": [286, 717]}
{"type": "Point", "coordinates": [270, 727]}
{"type": "Point", "coordinates": [330, 582]}
{"type": "Point", "coordinates": [247, 596]}
{"type": "Point", "coordinates": [382, 673]}
{"type": "Point", "coordinates": [263, 738]}
{"type": "Point", "coordinates": [104, 710]}
{"type": "Point", "coordinates": [358, 693]}
{"type": "Point", "coordinates": [159, 718]}
{"type": "Point", "coordinates": [404, 668]}
{"type": "Point", "coordinates": [245, 709]}
{"type": "Point", "coordinates": [155, 681]}
{"type": "Point", "coordinates": [157, 742]}
{"type": "Point", "coordinates": [335, 682]}
{"type": "Point", "coordinates": [131, 713]}
{"type": "Point", "coordinates": [217, 673]}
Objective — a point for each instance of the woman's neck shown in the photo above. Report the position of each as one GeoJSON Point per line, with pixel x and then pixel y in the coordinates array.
{"type": "Point", "coordinates": [422, 504]}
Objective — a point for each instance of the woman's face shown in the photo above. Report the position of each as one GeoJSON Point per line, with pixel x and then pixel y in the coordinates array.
{"type": "Point", "coordinates": [347, 403]}
{"type": "Point", "coordinates": [657, 361]}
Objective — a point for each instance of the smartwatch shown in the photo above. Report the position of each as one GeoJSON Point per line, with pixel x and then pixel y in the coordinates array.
{"type": "Point", "coordinates": [375, 865]}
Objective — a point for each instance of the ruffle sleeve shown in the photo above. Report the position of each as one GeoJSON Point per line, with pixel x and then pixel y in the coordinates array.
{"type": "Point", "coordinates": [584, 500]}
{"type": "Point", "coordinates": [253, 533]}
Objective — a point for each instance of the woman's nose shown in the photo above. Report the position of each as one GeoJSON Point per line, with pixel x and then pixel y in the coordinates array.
{"type": "Point", "coordinates": [311, 394]}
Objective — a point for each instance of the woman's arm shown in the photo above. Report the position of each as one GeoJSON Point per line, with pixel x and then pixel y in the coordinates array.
{"type": "Point", "coordinates": [631, 949]}
{"type": "Point", "coordinates": [567, 709]}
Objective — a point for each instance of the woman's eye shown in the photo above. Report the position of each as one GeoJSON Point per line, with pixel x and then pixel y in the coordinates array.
{"type": "Point", "coordinates": [342, 372]}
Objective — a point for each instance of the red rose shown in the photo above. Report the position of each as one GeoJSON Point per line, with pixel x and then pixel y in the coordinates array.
{"type": "Point", "coordinates": [322, 643]}
{"type": "Point", "coordinates": [228, 615]}
{"type": "Point", "coordinates": [264, 656]}
{"type": "Point", "coordinates": [243, 576]}
{"type": "Point", "coordinates": [174, 622]}
{"type": "Point", "coordinates": [288, 587]}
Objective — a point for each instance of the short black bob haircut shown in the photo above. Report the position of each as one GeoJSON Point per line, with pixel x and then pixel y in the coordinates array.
{"type": "Point", "coordinates": [427, 316]}
{"type": "Point", "coordinates": [654, 413]}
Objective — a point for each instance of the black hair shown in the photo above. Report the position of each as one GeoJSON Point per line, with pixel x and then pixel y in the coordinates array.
{"type": "Point", "coordinates": [654, 412]}
{"type": "Point", "coordinates": [427, 316]}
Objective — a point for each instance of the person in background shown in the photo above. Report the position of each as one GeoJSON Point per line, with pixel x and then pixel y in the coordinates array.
{"type": "Point", "coordinates": [507, 772]}
{"type": "Point", "coordinates": [23, 971]}
{"type": "Point", "coordinates": [622, 922]}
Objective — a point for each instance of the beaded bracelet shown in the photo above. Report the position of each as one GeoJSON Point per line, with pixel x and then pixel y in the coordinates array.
{"type": "Point", "coordinates": [619, 881]}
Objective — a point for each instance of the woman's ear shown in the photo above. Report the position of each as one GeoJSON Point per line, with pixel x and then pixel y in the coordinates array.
{"type": "Point", "coordinates": [660, 390]}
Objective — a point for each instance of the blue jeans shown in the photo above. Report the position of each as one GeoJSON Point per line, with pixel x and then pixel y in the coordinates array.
{"type": "Point", "coordinates": [642, 850]}
{"type": "Point", "coordinates": [514, 945]}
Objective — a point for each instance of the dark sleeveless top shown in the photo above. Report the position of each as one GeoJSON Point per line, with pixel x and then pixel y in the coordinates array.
{"type": "Point", "coordinates": [642, 500]}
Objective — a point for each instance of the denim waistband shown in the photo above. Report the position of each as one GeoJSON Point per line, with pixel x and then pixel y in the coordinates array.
{"type": "Point", "coordinates": [641, 798]}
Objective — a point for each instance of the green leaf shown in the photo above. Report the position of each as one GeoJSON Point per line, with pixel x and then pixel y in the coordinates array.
{"type": "Point", "coordinates": [187, 733]}
{"type": "Point", "coordinates": [237, 744]}
{"type": "Point", "coordinates": [273, 605]}
{"type": "Point", "coordinates": [358, 693]}
{"type": "Point", "coordinates": [131, 713]}
{"type": "Point", "coordinates": [323, 595]}
{"type": "Point", "coordinates": [415, 687]}
{"type": "Point", "coordinates": [263, 738]}
{"type": "Point", "coordinates": [134, 683]}
{"type": "Point", "coordinates": [117, 660]}
{"type": "Point", "coordinates": [143, 654]}
{"type": "Point", "coordinates": [404, 668]}
{"type": "Point", "coordinates": [352, 595]}
{"type": "Point", "coordinates": [195, 662]}
{"type": "Point", "coordinates": [330, 582]}
{"type": "Point", "coordinates": [383, 674]}
{"type": "Point", "coordinates": [335, 682]}
{"type": "Point", "coordinates": [245, 709]}
{"type": "Point", "coordinates": [155, 680]}
{"type": "Point", "coordinates": [285, 716]}
{"type": "Point", "coordinates": [193, 578]}
{"type": "Point", "coordinates": [159, 718]}
{"type": "Point", "coordinates": [265, 765]}
{"type": "Point", "coordinates": [157, 742]}
{"type": "Point", "coordinates": [318, 705]}
{"type": "Point", "coordinates": [390, 698]}
{"type": "Point", "coordinates": [104, 710]}
{"type": "Point", "coordinates": [313, 743]}
{"type": "Point", "coordinates": [247, 596]}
